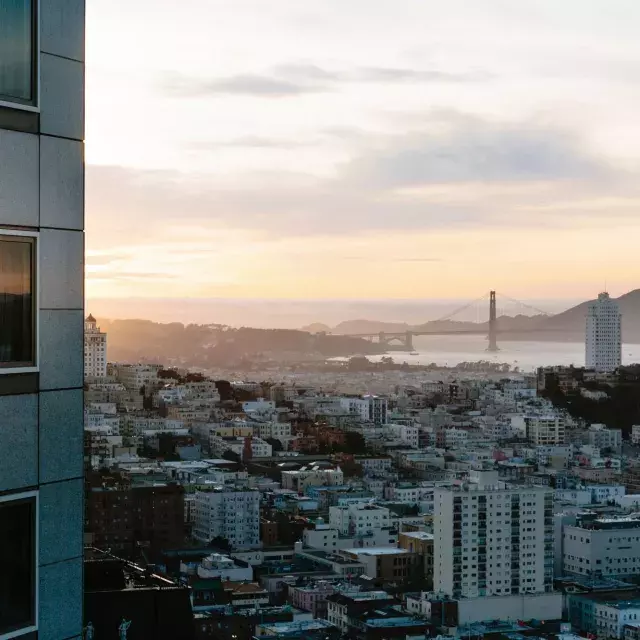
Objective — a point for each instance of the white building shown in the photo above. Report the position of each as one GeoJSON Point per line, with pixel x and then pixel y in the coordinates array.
{"type": "Point", "coordinates": [606, 547]}
{"type": "Point", "coordinates": [95, 349]}
{"type": "Point", "coordinates": [223, 567]}
{"type": "Point", "coordinates": [368, 408]}
{"type": "Point", "coordinates": [492, 539]}
{"type": "Point", "coordinates": [635, 434]}
{"type": "Point", "coordinates": [603, 340]}
{"type": "Point", "coordinates": [603, 438]}
{"type": "Point", "coordinates": [359, 519]}
{"type": "Point", "coordinates": [233, 514]}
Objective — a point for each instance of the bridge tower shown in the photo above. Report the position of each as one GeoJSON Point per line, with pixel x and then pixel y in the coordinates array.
{"type": "Point", "coordinates": [493, 323]}
{"type": "Point", "coordinates": [408, 341]}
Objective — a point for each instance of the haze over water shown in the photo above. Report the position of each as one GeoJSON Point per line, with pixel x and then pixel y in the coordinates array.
{"type": "Point", "coordinates": [451, 350]}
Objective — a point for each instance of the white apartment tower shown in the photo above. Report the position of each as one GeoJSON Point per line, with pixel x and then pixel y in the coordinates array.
{"type": "Point", "coordinates": [603, 335]}
{"type": "Point", "coordinates": [502, 539]}
{"type": "Point", "coordinates": [95, 349]}
{"type": "Point", "coordinates": [230, 513]}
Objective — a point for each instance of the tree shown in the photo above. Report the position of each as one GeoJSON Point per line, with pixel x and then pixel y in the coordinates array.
{"type": "Point", "coordinates": [221, 543]}
{"type": "Point", "coordinates": [354, 443]}
{"type": "Point", "coordinates": [168, 374]}
{"type": "Point", "coordinates": [232, 456]}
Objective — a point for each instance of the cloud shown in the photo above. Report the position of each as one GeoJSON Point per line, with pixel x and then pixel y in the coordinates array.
{"type": "Point", "coordinates": [261, 86]}
{"type": "Point", "coordinates": [478, 152]}
{"type": "Point", "coordinates": [470, 173]}
{"type": "Point", "coordinates": [291, 80]}
{"type": "Point", "coordinates": [254, 142]}
{"type": "Point", "coordinates": [390, 259]}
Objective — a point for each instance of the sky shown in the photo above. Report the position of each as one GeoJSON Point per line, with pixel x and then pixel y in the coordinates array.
{"type": "Point", "coordinates": [361, 149]}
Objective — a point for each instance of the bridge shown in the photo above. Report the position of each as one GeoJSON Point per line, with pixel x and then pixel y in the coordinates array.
{"type": "Point", "coordinates": [403, 340]}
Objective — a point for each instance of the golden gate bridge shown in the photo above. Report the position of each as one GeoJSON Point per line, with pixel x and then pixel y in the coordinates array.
{"type": "Point", "coordinates": [403, 340]}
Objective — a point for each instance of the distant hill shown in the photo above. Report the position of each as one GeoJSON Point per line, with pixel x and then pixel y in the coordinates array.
{"type": "Point", "coordinates": [216, 345]}
{"type": "Point", "coordinates": [317, 327]}
{"type": "Point", "coordinates": [568, 325]}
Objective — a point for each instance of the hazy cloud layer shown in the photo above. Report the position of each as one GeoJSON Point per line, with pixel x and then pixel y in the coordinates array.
{"type": "Point", "coordinates": [285, 81]}
{"type": "Point", "coordinates": [474, 173]}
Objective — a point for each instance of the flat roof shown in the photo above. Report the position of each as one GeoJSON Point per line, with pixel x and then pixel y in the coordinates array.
{"type": "Point", "coordinates": [419, 535]}
{"type": "Point", "coordinates": [376, 551]}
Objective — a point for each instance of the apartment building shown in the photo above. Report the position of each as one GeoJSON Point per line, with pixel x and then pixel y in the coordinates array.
{"type": "Point", "coordinates": [121, 515]}
{"type": "Point", "coordinates": [136, 376]}
{"type": "Point", "coordinates": [600, 436]}
{"type": "Point", "coordinates": [359, 519]}
{"type": "Point", "coordinates": [545, 429]}
{"type": "Point", "coordinates": [233, 514]}
{"type": "Point", "coordinates": [502, 538]}
{"type": "Point", "coordinates": [95, 349]}
{"type": "Point", "coordinates": [41, 317]}
{"type": "Point", "coordinates": [603, 336]}
{"type": "Point", "coordinates": [368, 408]}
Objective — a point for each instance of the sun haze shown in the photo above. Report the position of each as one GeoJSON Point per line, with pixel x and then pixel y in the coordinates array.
{"type": "Point", "coordinates": [361, 148]}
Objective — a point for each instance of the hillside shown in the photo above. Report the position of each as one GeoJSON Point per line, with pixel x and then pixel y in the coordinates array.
{"type": "Point", "coordinates": [217, 345]}
{"type": "Point", "coordinates": [568, 325]}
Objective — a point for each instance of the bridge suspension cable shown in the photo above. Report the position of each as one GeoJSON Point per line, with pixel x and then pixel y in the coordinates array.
{"type": "Point", "coordinates": [525, 305]}
{"type": "Point", "coordinates": [461, 309]}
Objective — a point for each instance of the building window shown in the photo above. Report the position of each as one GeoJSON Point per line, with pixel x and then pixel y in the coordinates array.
{"type": "Point", "coordinates": [17, 308]}
{"type": "Point", "coordinates": [18, 561]}
{"type": "Point", "coordinates": [18, 46]}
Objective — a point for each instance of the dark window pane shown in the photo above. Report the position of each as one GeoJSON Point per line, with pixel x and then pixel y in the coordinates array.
{"type": "Point", "coordinates": [16, 51]}
{"type": "Point", "coordinates": [17, 565]}
{"type": "Point", "coordinates": [16, 301]}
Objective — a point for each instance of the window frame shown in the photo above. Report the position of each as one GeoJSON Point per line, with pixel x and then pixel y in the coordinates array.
{"type": "Point", "coordinates": [31, 496]}
{"type": "Point", "coordinates": [34, 367]}
{"type": "Point", "coordinates": [34, 105]}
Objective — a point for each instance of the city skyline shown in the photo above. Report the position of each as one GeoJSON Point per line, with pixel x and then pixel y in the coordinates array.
{"type": "Point", "coordinates": [245, 152]}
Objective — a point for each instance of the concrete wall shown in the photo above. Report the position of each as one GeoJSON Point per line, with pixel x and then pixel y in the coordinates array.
{"type": "Point", "coordinates": [544, 606]}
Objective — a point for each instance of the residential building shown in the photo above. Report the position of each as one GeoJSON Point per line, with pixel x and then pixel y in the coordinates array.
{"type": "Point", "coordinates": [232, 514]}
{"type": "Point", "coordinates": [219, 445]}
{"type": "Point", "coordinates": [369, 408]}
{"type": "Point", "coordinates": [545, 429]}
{"type": "Point", "coordinates": [359, 519]}
{"type": "Point", "coordinates": [502, 538]}
{"type": "Point", "coordinates": [121, 515]}
{"type": "Point", "coordinates": [313, 475]}
{"type": "Point", "coordinates": [223, 567]}
{"type": "Point", "coordinates": [95, 349]}
{"type": "Point", "coordinates": [341, 607]}
{"type": "Point", "coordinates": [603, 438]}
{"type": "Point", "coordinates": [136, 376]}
{"type": "Point", "coordinates": [387, 564]}
{"type": "Point", "coordinates": [635, 434]}
{"type": "Point", "coordinates": [420, 542]}
{"type": "Point", "coordinates": [603, 340]}
{"type": "Point", "coordinates": [602, 547]}
{"type": "Point", "coordinates": [41, 317]}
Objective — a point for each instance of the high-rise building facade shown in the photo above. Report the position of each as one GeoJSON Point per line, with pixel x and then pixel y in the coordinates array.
{"type": "Point", "coordinates": [492, 539]}
{"type": "Point", "coordinates": [603, 340]}
{"type": "Point", "coordinates": [95, 349]}
{"type": "Point", "coordinates": [233, 514]}
{"type": "Point", "coordinates": [41, 317]}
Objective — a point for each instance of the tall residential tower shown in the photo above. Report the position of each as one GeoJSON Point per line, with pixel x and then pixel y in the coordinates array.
{"type": "Point", "coordinates": [41, 317]}
{"type": "Point", "coordinates": [95, 349]}
{"type": "Point", "coordinates": [603, 340]}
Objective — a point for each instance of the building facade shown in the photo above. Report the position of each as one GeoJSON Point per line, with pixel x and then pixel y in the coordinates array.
{"type": "Point", "coordinates": [545, 429]}
{"type": "Point", "coordinates": [233, 514]}
{"type": "Point", "coordinates": [502, 539]}
{"type": "Point", "coordinates": [603, 339]}
{"type": "Point", "coordinates": [95, 349]}
{"type": "Point", "coordinates": [41, 317]}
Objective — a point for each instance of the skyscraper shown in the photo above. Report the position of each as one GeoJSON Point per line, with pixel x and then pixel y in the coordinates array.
{"type": "Point", "coordinates": [41, 317]}
{"type": "Point", "coordinates": [603, 340]}
{"type": "Point", "coordinates": [95, 349]}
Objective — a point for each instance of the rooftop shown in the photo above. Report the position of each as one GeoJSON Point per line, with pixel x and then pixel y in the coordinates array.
{"type": "Point", "coordinates": [376, 551]}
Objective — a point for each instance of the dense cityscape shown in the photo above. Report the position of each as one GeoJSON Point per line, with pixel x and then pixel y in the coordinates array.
{"type": "Point", "coordinates": [373, 504]}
